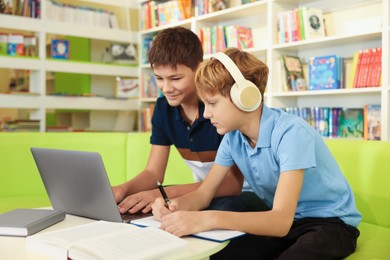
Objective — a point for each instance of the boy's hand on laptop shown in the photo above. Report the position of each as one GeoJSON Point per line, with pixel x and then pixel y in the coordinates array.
{"type": "Point", "coordinates": [141, 201]}
{"type": "Point", "coordinates": [119, 193]}
{"type": "Point", "coordinates": [160, 209]}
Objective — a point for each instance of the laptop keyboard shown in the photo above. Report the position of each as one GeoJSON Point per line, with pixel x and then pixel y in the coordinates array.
{"type": "Point", "coordinates": [127, 217]}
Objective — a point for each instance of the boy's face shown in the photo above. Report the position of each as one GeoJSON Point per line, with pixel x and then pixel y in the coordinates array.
{"type": "Point", "coordinates": [177, 85]}
{"type": "Point", "coordinates": [221, 111]}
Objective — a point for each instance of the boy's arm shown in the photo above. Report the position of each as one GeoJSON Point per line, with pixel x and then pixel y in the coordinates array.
{"type": "Point", "coordinates": [275, 222]}
{"type": "Point", "coordinates": [144, 181]}
{"type": "Point", "coordinates": [197, 199]}
{"type": "Point", "coordinates": [201, 197]}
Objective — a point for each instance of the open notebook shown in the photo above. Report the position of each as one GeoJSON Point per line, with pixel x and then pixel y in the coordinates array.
{"type": "Point", "coordinates": [216, 235]}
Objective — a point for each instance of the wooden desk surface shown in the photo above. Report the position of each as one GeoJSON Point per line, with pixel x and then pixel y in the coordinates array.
{"type": "Point", "coordinates": [12, 248]}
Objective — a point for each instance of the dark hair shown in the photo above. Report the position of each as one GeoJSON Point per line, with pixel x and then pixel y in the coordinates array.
{"type": "Point", "coordinates": [174, 46]}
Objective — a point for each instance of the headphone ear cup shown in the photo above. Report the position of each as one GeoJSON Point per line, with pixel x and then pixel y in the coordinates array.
{"type": "Point", "coordinates": [235, 95]}
{"type": "Point", "coordinates": [246, 98]}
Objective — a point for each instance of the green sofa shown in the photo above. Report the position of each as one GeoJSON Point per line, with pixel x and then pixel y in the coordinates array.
{"type": "Point", "coordinates": [124, 156]}
{"type": "Point", "coordinates": [364, 163]}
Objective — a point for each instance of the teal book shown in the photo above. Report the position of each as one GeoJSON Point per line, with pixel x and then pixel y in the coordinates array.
{"type": "Point", "coordinates": [351, 122]}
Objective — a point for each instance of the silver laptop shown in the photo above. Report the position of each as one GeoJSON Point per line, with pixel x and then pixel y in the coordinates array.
{"type": "Point", "coordinates": [77, 183]}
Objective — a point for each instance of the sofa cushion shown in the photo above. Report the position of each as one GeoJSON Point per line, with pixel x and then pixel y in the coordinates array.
{"type": "Point", "coordinates": [366, 164]}
{"type": "Point", "coordinates": [373, 243]}
{"type": "Point", "coordinates": [19, 177]}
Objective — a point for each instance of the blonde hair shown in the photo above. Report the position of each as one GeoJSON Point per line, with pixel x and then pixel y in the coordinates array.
{"type": "Point", "coordinates": [213, 78]}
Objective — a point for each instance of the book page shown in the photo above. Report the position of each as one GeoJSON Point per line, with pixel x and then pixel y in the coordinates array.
{"type": "Point", "coordinates": [107, 240]}
{"type": "Point", "coordinates": [142, 243]}
{"type": "Point", "coordinates": [217, 235]}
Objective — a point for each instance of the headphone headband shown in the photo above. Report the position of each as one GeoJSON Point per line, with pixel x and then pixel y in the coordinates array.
{"type": "Point", "coordinates": [231, 67]}
{"type": "Point", "coordinates": [244, 93]}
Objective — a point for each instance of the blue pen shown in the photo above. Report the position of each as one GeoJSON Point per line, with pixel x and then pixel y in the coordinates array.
{"type": "Point", "coordinates": [161, 188]}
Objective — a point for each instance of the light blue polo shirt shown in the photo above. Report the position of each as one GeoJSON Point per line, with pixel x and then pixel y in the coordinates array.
{"type": "Point", "coordinates": [286, 142]}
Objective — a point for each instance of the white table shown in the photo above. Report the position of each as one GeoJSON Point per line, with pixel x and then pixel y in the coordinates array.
{"type": "Point", "coordinates": [12, 248]}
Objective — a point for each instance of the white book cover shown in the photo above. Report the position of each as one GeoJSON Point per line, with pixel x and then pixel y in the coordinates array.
{"type": "Point", "coordinates": [313, 23]}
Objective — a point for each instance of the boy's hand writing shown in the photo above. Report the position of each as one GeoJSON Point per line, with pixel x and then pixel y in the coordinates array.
{"type": "Point", "coordinates": [182, 223]}
{"type": "Point", "coordinates": [160, 209]}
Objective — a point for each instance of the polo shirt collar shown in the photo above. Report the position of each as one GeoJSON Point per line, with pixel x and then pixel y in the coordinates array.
{"type": "Point", "coordinates": [267, 123]}
{"type": "Point", "coordinates": [266, 126]}
{"type": "Point", "coordinates": [200, 111]}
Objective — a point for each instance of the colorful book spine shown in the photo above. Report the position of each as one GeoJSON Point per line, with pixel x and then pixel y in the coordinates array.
{"type": "Point", "coordinates": [372, 122]}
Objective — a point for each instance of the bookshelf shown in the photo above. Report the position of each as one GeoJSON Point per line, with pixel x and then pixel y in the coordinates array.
{"type": "Point", "coordinates": [351, 25]}
{"type": "Point", "coordinates": [95, 110]}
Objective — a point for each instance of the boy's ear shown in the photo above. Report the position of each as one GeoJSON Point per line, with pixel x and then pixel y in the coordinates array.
{"type": "Point", "coordinates": [244, 93]}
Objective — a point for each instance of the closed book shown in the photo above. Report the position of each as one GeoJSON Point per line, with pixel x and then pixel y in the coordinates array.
{"type": "Point", "coordinates": [25, 222]}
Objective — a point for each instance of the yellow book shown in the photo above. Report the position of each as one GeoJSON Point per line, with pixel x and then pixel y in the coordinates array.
{"type": "Point", "coordinates": [351, 77]}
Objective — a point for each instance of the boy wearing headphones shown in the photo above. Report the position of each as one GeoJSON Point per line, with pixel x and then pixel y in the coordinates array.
{"type": "Point", "coordinates": [312, 212]}
{"type": "Point", "coordinates": [178, 120]}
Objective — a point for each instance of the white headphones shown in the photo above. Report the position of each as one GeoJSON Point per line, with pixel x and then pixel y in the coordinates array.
{"type": "Point", "coordinates": [244, 93]}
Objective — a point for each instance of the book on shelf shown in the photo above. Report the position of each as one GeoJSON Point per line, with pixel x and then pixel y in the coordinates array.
{"type": "Point", "coordinates": [351, 122]}
{"type": "Point", "coordinates": [367, 68]}
{"type": "Point", "coordinates": [372, 122]}
{"type": "Point", "coordinates": [216, 235]}
{"type": "Point", "coordinates": [313, 23]}
{"type": "Point", "coordinates": [292, 77]}
{"type": "Point", "coordinates": [25, 222]}
{"type": "Point", "coordinates": [107, 240]}
{"type": "Point", "coordinates": [325, 72]}
{"type": "Point", "coordinates": [60, 49]}
{"type": "Point", "coordinates": [28, 8]}
{"type": "Point", "coordinates": [80, 15]}
{"type": "Point", "coordinates": [303, 23]}
{"type": "Point", "coordinates": [146, 115]}
{"type": "Point", "coordinates": [244, 37]}
{"type": "Point", "coordinates": [337, 121]}
{"type": "Point", "coordinates": [15, 45]}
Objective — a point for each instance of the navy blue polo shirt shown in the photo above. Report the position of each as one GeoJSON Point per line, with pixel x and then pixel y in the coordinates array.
{"type": "Point", "coordinates": [197, 143]}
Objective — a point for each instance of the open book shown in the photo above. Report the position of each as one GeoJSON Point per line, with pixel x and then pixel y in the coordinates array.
{"type": "Point", "coordinates": [217, 235]}
{"type": "Point", "coordinates": [106, 240]}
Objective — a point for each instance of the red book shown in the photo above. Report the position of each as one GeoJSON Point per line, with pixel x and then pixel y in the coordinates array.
{"type": "Point", "coordinates": [358, 70]}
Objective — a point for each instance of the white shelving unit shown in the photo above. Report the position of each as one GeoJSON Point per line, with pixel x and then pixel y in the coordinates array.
{"type": "Point", "coordinates": [354, 25]}
{"type": "Point", "coordinates": [98, 113]}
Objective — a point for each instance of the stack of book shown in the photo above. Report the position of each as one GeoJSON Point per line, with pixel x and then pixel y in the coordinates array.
{"type": "Point", "coordinates": [302, 23]}
{"type": "Point", "coordinates": [27, 8]}
{"type": "Point", "coordinates": [81, 15]}
{"type": "Point", "coordinates": [158, 13]}
{"type": "Point", "coordinates": [367, 68]}
{"type": "Point", "coordinates": [217, 38]}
